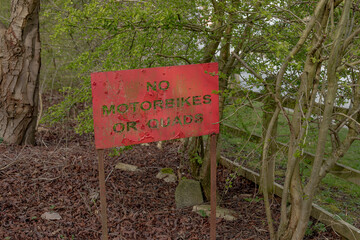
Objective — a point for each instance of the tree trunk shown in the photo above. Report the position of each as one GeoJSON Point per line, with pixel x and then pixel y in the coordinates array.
{"type": "Point", "coordinates": [268, 110]}
{"type": "Point", "coordinates": [332, 81]}
{"type": "Point", "coordinates": [19, 73]}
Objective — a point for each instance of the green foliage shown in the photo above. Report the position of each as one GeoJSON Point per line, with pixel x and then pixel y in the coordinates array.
{"type": "Point", "coordinates": [317, 227]}
{"type": "Point", "coordinates": [115, 152]}
{"type": "Point", "coordinates": [229, 181]}
{"type": "Point", "coordinates": [74, 98]}
{"type": "Point", "coordinates": [202, 213]}
{"type": "Point", "coordinates": [196, 158]}
{"type": "Point", "coordinates": [255, 199]}
{"type": "Point", "coordinates": [115, 35]}
{"type": "Point", "coordinates": [167, 170]}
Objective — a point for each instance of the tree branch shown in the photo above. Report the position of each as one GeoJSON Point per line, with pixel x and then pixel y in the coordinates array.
{"type": "Point", "coordinates": [350, 65]}
{"type": "Point", "coordinates": [265, 151]}
{"type": "Point", "coordinates": [166, 56]}
{"type": "Point", "coordinates": [287, 10]}
{"type": "Point", "coordinates": [277, 100]}
{"type": "Point", "coordinates": [248, 67]}
{"type": "Point", "coordinates": [298, 45]}
{"type": "Point", "coordinates": [348, 117]}
{"type": "Point", "coordinates": [348, 40]}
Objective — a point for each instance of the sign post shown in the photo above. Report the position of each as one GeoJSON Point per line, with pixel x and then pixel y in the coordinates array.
{"type": "Point", "coordinates": [104, 227]}
{"type": "Point", "coordinates": [213, 186]}
{"type": "Point", "coordinates": [155, 104]}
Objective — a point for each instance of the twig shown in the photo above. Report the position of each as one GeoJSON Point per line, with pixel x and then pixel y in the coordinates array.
{"type": "Point", "coordinates": [349, 117]}
{"type": "Point", "coordinates": [16, 160]}
{"type": "Point", "coordinates": [348, 41]}
{"type": "Point", "coordinates": [287, 10]}
{"type": "Point", "coordinates": [109, 174]}
{"type": "Point", "coordinates": [237, 109]}
{"type": "Point", "coordinates": [181, 57]}
{"type": "Point", "coordinates": [267, 88]}
{"type": "Point", "coordinates": [85, 202]}
{"type": "Point", "coordinates": [350, 65]}
{"type": "Point", "coordinates": [46, 179]}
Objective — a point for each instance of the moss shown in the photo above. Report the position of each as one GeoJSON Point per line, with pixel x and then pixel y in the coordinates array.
{"type": "Point", "coordinates": [333, 209]}
{"type": "Point", "coordinates": [279, 173]}
{"type": "Point", "coordinates": [167, 170]}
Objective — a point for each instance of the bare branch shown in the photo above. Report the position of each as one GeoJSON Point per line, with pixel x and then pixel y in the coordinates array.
{"type": "Point", "coordinates": [181, 57]}
{"type": "Point", "coordinates": [348, 117]}
{"type": "Point", "coordinates": [264, 164]}
{"type": "Point", "coordinates": [296, 16]}
{"type": "Point", "coordinates": [248, 67]}
{"type": "Point", "coordinates": [194, 27]}
{"type": "Point", "coordinates": [318, 45]}
{"type": "Point", "coordinates": [316, 174]}
{"type": "Point", "coordinates": [349, 40]}
{"type": "Point", "coordinates": [350, 65]}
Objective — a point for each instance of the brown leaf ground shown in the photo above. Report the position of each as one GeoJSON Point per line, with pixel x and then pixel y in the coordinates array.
{"type": "Point", "coordinates": [60, 175]}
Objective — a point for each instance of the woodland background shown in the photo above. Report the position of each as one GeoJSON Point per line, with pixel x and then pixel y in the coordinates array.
{"type": "Point", "coordinates": [289, 71]}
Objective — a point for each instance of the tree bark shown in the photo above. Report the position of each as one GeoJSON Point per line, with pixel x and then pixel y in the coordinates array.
{"type": "Point", "coordinates": [19, 73]}
{"type": "Point", "coordinates": [269, 108]}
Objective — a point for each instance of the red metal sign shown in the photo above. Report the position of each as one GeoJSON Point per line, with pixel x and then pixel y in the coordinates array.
{"type": "Point", "coordinates": [154, 104]}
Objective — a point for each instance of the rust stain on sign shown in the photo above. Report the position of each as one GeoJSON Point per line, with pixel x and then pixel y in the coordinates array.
{"type": "Point", "coordinates": [154, 104]}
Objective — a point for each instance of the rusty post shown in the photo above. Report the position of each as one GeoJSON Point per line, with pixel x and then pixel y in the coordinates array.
{"type": "Point", "coordinates": [213, 187]}
{"type": "Point", "coordinates": [103, 207]}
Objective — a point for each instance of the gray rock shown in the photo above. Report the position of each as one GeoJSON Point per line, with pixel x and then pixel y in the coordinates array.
{"type": "Point", "coordinates": [51, 216]}
{"type": "Point", "coordinates": [126, 167]}
{"type": "Point", "coordinates": [227, 214]}
{"type": "Point", "coordinates": [167, 177]}
{"type": "Point", "coordinates": [188, 193]}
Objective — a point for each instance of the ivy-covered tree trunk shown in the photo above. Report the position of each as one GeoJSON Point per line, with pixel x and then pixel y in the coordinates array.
{"type": "Point", "coordinates": [19, 73]}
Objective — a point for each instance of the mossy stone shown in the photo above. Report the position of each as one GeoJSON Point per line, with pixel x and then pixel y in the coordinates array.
{"type": "Point", "coordinates": [188, 193]}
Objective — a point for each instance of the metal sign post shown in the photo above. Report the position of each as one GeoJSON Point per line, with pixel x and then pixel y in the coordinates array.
{"type": "Point", "coordinates": [103, 207]}
{"type": "Point", "coordinates": [213, 186]}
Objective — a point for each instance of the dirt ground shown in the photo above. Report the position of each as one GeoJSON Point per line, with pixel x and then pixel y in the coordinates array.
{"type": "Point", "coordinates": [60, 176]}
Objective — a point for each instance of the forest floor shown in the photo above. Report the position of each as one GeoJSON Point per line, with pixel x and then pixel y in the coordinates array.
{"type": "Point", "coordinates": [60, 175]}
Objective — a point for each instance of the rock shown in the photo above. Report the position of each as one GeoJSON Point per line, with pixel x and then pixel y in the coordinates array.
{"type": "Point", "coordinates": [51, 216]}
{"type": "Point", "coordinates": [167, 174]}
{"type": "Point", "coordinates": [227, 214]}
{"type": "Point", "coordinates": [126, 167]}
{"type": "Point", "coordinates": [188, 193]}
{"type": "Point", "coordinates": [159, 145]}
{"type": "Point", "coordinates": [42, 129]}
